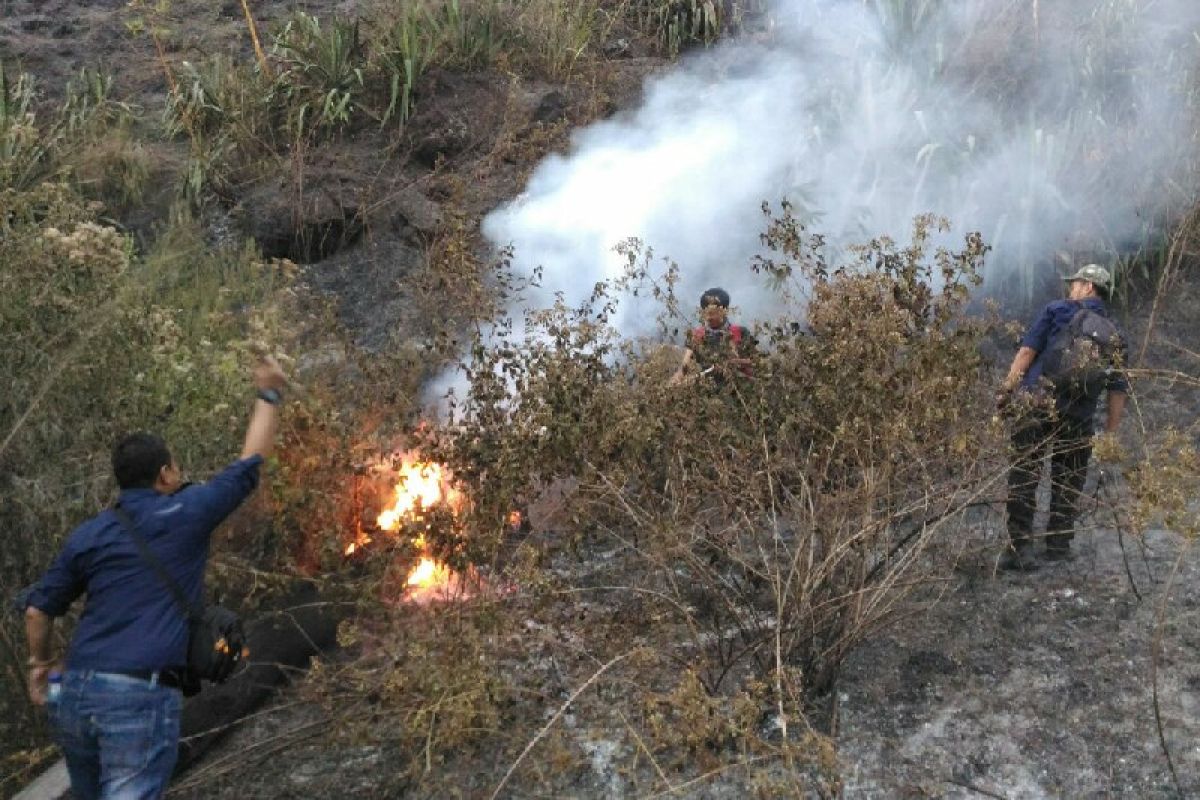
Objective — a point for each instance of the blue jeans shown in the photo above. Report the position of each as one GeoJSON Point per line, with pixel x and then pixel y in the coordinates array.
{"type": "Point", "coordinates": [119, 735]}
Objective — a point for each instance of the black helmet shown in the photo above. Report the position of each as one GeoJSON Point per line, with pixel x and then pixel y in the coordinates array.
{"type": "Point", "coordinates": [716, 293]}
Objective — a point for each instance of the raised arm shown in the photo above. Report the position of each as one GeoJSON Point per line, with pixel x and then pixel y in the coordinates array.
{"type": "Point", "coordinates": [269, 381]}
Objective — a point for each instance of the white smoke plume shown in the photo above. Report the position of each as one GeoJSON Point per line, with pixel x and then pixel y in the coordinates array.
{"type": "Point", "coordinates": [1054, 126]}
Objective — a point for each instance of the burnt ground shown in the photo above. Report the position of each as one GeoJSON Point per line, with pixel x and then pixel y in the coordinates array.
{"type": "Point", "coordinates": [1043, 684]}
{"type": "Point", "coordinates": [994, 685]}
{"type": "Point", "coordinates": [1033, 685]}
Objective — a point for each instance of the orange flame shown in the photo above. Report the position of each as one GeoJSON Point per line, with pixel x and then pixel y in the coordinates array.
{"type": "Point", "coordinates": [429, 574]}
{"type": "Point", "coordinates": [420, 486]}
{"type": "Point", "coordinates": [361, 540]}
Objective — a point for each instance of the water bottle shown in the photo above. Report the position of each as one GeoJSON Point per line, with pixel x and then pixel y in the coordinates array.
{"type": "Point", "coordinates": [54, 690]}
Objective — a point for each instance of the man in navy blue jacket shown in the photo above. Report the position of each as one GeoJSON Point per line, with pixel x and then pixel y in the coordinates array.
{"type": "Point", "coordinates": [1064, 433]}
{"type": "Point", "coordinates": [116, 716]}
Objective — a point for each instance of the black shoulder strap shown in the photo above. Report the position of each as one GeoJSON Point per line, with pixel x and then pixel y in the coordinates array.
{"type": "Point", "coordinates": [190, 610]}
{"type": "Point", "coordinates": [1067, 333]}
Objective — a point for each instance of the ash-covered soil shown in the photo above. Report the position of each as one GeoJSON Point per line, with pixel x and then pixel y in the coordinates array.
{"type": "Point", "coordinates": [1043, 684]}
{"type": "Point", "coordinates": [1036, 684]}
{"type": "Point", "coordinates": [990, 685]}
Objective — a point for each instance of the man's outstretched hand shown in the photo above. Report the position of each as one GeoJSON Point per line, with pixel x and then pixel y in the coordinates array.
{"type": "Point", "coordinates": [268, 374]}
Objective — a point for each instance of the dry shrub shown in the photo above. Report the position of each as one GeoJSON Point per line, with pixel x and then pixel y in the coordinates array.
{"type": "Point", "coordinates": [746, 537]}
{"type": "Point", "coordinates": [427, 682]}
{"type": "Point", "coordinates": [691, 717]}
{"type": "Point", "coordinates": [450, 290]}
{"type": "Point", "coordinates": [765, 526]}
{"type": "Point", "coordinates": [1164, 483]}
{"type": "Point", "coordinates": [115, 171]}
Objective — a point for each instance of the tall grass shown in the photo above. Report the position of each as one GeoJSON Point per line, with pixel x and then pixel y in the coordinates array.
{"type": "Point", "coordinates": [406, 48]}
{"type": "Point", "coordinates": [38, 145]}
{"type": "Point", "coordinates": [322, 72]}
{"type": "Point", "coordinates": [22, 151]}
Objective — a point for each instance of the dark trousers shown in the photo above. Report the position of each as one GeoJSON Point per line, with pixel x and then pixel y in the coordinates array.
{"type": "Point", "coordinates": [1068, 443]}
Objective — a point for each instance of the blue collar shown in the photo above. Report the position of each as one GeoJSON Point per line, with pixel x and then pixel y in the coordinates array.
{"type": "Point", "coordinates": [128, 496]}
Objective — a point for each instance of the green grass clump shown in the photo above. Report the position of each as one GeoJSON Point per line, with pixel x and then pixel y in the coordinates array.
{"type": "Point", "coordinates": [86, 141]}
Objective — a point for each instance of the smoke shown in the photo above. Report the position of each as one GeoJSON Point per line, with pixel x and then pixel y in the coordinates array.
{"type": "Point", "coordinates": [1067, 131]}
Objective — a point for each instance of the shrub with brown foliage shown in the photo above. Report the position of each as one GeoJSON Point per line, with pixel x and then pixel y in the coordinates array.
{"type": "Point", "coordinates": [781, 514]}
{"type": "Point", "coordinates": [757, 528]}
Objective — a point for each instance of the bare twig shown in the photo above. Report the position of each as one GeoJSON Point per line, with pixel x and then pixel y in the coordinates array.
{"type": "Point", "coordinates": [1181, 348]}
{"type": "Point", "coordinates": [642, 746]}
{"type": "Point", "coordinates": [268, 747]}
{"type": "Point", "coordinates": [258, 51]}
{"type": "Point", "coordinates": [977, 789]}
{"type": "Point", "coordinates": [683, 610]}
{"type": "Point", "coordinates": [1102, 486]}
{"type": "Point", "coordinates": [1155, 653]}
{"type": "Point", "coordinates": [59, 368]}
{"type": "Point", "coordinates": [557, 715]}
{"type": "Point", "coordinates": [240, 720]}
{"type": "Point", "coordinates": [1174, 257]}
{"type": "Point", "coordinates": [706, 776]}
{"type": "Point", "coordinates": [1125, 560]}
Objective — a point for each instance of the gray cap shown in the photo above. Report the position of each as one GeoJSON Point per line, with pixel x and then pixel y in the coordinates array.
{"type": "Point", "coordinates": [1093, 273]}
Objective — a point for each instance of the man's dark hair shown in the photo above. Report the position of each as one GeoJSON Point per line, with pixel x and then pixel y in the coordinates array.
{"type": "Point", "coordinates": [715, 293]}
{"type": "Point", "coordinates": [137, 460]}
{"type": "Point", "coordinates": [1103, 291]}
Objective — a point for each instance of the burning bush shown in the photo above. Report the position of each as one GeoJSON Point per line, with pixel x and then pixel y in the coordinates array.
{"type": "Point", "coordinates": [741, 537]}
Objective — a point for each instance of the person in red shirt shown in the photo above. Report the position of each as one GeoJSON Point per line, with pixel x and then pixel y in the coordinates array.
{"type": "Point", "coordinates": [717, 348]}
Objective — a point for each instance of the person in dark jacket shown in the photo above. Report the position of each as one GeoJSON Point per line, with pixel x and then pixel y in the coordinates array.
{"type": "Point", "coordinates": [717, 348]}
{"type": "Point", "coordinates": [117, 707]}
{"type": "Point", "coordinates": [1062, 433]}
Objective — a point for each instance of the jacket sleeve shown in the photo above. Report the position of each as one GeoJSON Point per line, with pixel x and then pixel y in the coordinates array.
{"type": "Point", "coordinates": [62, 584]}
{"type": "Point", "coordinates": [210, 503]}
{"type": "Point", "coordinates": [1037, 336]}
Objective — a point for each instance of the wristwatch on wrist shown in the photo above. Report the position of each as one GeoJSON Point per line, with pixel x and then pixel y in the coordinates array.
{"type": "Point", "coordinates": [272, 396]}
